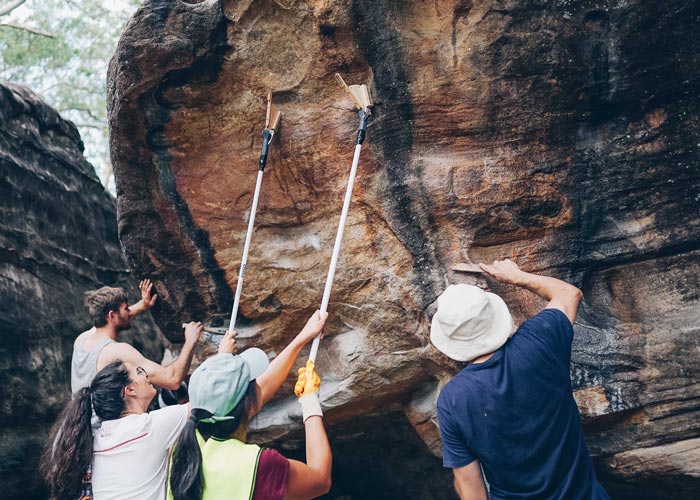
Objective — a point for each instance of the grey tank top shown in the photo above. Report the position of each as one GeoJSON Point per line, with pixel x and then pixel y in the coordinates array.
{"type": "Point", "coordinates": [84, 364]}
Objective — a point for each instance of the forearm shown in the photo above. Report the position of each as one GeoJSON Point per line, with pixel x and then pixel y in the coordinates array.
{"type": "Point", "coordinates": [313, 478]}
{"type": "Point", "coordinates": [469, 482]}
{"type": "Point", "coordinates": [546, 287]}
{"type": "Point", "coordinates": [178, 369]}
{"type": "Point", "coordinates": [471, 492]}
{"type": "Point", "coordinates": [139, 307]}
{"type": "Point", "coordinates": [318, 450]}
{"type": "Point", "coordinates": [559, 294]}
{"type": "Point", "coordinates": [278, 370]}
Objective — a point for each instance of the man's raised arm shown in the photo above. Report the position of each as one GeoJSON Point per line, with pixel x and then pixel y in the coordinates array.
{"type": "Point", "coordinates": [561, 295]}
{"type": "Point", "coordinates": [168, 377]}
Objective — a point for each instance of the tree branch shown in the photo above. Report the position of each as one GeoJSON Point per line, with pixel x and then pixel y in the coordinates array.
{"type": "Point", "coordinates": [70, 85]}
{"type": "Point", "coordinates": [10, 7]}
{"type": "Point", "coordinates": [28, 30]}
{"type": "Point", "coordinates": [89, 125]}
{"type": "Point", "coordinates": [81, 110]}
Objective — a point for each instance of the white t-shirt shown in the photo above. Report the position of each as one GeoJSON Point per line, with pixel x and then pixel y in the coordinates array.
{"type": "Point", "coordinates": [130, 455]}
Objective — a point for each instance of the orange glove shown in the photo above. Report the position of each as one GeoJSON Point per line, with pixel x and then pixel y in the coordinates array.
{"type": "Point", "coordinates": [308, 381]}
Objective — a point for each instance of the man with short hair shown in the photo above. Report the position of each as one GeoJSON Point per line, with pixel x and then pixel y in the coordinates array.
{"type": "Point", "coordinates": [511, 410]}
{"type": "Point", "coordinates": [110, 313]}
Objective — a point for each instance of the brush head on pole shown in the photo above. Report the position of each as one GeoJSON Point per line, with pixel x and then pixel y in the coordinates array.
{"type": "Point", "coordinates": [359, 94]}
{"type": "Point", "coordinates": [272, 118]}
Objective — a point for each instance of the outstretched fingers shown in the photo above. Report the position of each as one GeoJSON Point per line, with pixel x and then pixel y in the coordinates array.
{"type": "Point", "coordinates": [146, 286]}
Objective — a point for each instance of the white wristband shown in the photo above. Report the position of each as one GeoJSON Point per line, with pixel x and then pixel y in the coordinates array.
{"type": "Point", "coordinates": [310, 406]}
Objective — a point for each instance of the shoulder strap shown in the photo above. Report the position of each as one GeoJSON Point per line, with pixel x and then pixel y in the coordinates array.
{"type": "Point", "coordinates": [98, 348]}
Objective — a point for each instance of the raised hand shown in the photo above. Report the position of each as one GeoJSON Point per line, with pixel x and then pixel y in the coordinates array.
{"type": "Point", "coordinates": [146, 286]}
{"type": "Point", "coordinates": [505, 271]}
{"type": "Point", "coordinates": [306, 389]}
{"type": "Point", "coordinates": [313, 327]}
{"type": "Point", "coordinates": [228, 343]}
{"type": "Point", "coordinates": [193, 332]}
{"type": "Point", "coordinates": [308, 380]}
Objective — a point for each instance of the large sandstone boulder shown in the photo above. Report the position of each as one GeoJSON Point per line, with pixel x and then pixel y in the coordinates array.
{"type": "Point", "coordinates": [563, 134]}
{"type": "Point", "coordinates": [58, 239]}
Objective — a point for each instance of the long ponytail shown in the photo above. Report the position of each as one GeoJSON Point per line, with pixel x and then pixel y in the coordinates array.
{"type": "Point", "coordinates": [186, 477]}
{"type": "Point", "coordinates": [68, 452]}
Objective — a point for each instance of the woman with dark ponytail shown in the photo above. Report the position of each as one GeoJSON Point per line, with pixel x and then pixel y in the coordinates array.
{"type": "Point", "coordinates": [128, 452]}
{"type": "Point", "coordinates": [211, 461]}
{"type": "Point", "coordinates": [69, 452]}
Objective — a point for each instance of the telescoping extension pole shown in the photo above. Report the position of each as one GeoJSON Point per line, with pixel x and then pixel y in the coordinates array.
{"type": "Point", "coordinates": [363, 101]}
{"type": "Point", "coordinates": [272, 120]}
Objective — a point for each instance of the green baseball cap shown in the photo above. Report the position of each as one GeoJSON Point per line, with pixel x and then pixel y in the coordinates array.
{"type": "Point", "coordinates": [220, 383]}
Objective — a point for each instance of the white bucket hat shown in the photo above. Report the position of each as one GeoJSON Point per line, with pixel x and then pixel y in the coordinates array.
{"type": "Point", "coordinates": [470, 322]}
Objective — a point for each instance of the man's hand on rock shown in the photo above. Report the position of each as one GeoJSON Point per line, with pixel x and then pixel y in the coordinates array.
{"type": "Point", "coordinates": [148, 300]}
{"type": "Point", "coordinates": [505, 271]}
{"type": "Point", "coordinates": [193, 332]}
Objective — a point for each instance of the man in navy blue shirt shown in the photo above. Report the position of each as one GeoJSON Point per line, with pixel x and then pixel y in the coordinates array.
{"type": "Point", "coordinates": [511, 410]}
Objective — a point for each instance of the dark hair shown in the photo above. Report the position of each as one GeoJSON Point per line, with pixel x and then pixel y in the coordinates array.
{"type": "Point", "coordinates": [99, 302]}
{"type": "Point", "coordinates": [186, 477]}
{"type": "Point", "coordinates": [68, 451]}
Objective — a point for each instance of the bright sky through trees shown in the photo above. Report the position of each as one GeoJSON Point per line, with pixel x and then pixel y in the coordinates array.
{"type": "Point", "coordinates": [60, 49]}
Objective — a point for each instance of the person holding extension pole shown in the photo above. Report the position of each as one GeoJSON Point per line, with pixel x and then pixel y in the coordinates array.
{"type": "Point", "coordinates": [210, 459]}
{"type": "Point", "coordinates": [511, 411]}
{"type": "Point", "coordinates": [129, 451]}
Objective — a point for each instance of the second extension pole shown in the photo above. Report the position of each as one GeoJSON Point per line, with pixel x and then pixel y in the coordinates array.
{"type": "Point", "coordinates": [364, 115]}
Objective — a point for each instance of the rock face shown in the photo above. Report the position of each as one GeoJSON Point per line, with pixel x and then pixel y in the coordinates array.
{"type": "Point", "coordinates": [58, 239]}
{"type": "Point", "coordinates": [563, 134]}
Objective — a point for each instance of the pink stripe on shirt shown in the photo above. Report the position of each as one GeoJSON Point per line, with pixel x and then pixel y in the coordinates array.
{"type": "Point", "coordinates": [122, 444]}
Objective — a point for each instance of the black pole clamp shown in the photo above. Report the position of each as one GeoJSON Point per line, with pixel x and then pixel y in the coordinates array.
{"type": "Point", "coordinates": [365, 115]}
{"type": "Point", "coordinates": [267, 138]}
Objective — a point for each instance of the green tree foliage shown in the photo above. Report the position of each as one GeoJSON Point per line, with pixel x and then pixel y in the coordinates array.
{"type": "Point", "coordinates": [61, 49]}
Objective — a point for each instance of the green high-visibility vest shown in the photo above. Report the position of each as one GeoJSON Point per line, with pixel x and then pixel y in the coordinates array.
{"type": "Point", "coordinates": [229, 467]}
